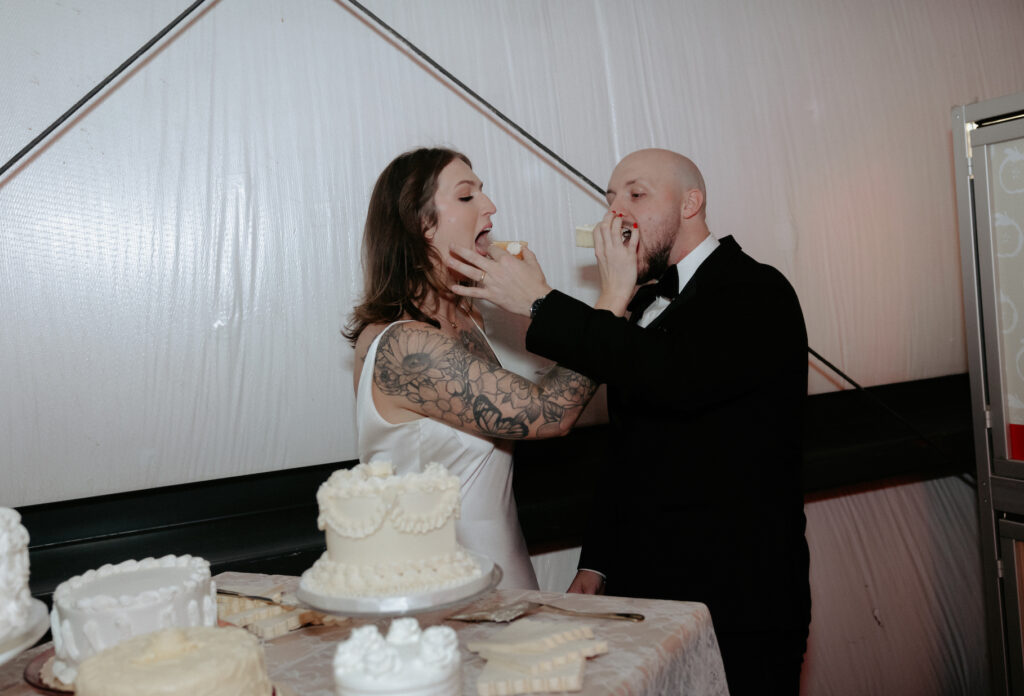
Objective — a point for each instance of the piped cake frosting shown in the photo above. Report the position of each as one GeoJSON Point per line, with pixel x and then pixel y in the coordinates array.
{"type": "Point", "coordinates": [197, 661]}
{"type": "Point", "coordinates": [389, 535]}
{"type": "Point", "coordinates": [15, 599]}
{"type": "Point", "coordinates": [409, 661]}
{"type": "Point", "coordinates": [103, 607]}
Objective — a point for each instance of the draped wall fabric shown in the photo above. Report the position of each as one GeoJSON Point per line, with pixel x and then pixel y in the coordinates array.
{"type": "Point", "coordinates": [895, 589]}
{"type": "Point", "coordinates": [178, 259]}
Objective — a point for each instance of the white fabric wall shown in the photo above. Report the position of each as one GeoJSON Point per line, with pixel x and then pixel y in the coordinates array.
{"type": "Point", "coordinates": [178, 259]}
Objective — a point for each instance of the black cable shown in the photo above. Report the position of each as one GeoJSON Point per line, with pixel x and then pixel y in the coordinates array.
{"type": "Point", "coordinates": [103, 83]}
{"type": "Point", "coordinates": [468, 90]}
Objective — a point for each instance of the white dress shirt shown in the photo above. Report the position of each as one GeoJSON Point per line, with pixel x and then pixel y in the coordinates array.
{"type": "Point", "coordinates": [686, 267]}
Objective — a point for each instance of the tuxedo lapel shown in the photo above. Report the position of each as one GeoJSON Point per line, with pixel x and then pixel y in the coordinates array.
{"type": "Point", "coordinates": [711, 269]}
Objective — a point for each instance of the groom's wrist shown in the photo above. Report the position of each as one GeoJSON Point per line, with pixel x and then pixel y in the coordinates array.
{"type": "Point", "coordinates": [536, 305]}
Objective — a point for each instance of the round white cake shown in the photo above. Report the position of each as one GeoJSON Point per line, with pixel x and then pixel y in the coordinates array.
{"type": "Point", "coordinates": [15, 599]}
{"type": "Point", "coordinates": [101, 608]}
{"type": "Point", "coordinates": [410, 661]}
{"type": "Point", "coordinates": [389, 535]}
{"type": "Point", "coordinates": [198, 661]}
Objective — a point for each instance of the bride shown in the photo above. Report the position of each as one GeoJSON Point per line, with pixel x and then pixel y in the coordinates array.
{"type": "Point", "coordinates": [429, 388]}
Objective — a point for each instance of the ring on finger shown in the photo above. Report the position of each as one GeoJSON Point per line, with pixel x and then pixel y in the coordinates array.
{"type": "Point", "coordinates": [482, 275]}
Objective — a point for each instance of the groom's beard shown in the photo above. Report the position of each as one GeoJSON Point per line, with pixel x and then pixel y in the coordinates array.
{"type": "Point", "coordinates": [657, 264]}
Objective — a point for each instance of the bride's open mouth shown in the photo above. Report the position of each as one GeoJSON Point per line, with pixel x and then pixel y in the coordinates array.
{"type": "Point", "coordinates": [483, 241]}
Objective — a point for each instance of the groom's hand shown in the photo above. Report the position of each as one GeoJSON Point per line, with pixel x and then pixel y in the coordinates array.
{"type": "Point", "coordinates": [587, 582]}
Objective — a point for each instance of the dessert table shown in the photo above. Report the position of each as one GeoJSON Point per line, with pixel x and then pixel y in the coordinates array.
{"type": "Point", "coordinates": [673, 651]}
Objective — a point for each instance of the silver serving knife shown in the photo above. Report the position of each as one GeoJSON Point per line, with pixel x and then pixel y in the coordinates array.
{"type": "Point", "coordinates": [511, 612]}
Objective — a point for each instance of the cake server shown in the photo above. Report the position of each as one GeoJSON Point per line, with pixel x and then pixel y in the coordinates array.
{"type": "Point", "coordinates": [511, 612]}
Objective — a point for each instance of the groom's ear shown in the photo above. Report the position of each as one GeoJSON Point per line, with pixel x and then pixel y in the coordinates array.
{"type": "Point", "coordinates": [693, 203]}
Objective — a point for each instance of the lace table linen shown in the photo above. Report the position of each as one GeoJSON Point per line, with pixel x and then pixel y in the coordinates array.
{"type": "Point", "coordinates": [673, 651]}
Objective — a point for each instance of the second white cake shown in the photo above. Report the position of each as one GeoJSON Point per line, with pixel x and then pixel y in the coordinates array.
{"type": "Point", "coordinates": [103, 607]}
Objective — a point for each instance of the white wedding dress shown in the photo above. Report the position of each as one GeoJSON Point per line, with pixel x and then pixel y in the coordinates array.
{"type": "Point", "coordinates": [489, 524]}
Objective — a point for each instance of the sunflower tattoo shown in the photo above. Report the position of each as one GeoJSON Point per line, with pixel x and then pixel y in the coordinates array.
{"type": "Point", "coordinates": [461, 383]}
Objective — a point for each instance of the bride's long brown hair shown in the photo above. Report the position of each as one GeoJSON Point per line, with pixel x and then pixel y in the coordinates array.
{"type": "Point", "coordinates": [400, 267]}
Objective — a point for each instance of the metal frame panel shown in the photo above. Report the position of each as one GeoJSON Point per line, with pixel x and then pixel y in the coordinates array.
{"type": "Point", "coordinates": [989, 302]}
{"type": "Point", "coordinates": [1005, 489]}
{"type": "Point", "coordinates": [990, 109]}
{"type": "Point", "coordinates": [1010, 534]}
{"type": "Point", "coordinates": [998, 132]}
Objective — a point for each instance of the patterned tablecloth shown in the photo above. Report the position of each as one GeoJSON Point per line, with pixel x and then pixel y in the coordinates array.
{"type": "Point", "coordinates": [673, 651]}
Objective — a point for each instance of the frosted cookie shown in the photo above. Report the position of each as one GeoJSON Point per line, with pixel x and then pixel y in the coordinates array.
{"type": "Point", "coordinates": [539, 660]}
{"type": "Point", "coordinates": [498, 680]}
{"type": "Point", "coordinates": [533, 656]}
{"type": "Point", "coordinates": [267, 619]}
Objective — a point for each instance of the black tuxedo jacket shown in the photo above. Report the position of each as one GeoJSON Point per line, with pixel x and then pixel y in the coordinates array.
{"type": "Point", "coordinates": [702, 498]}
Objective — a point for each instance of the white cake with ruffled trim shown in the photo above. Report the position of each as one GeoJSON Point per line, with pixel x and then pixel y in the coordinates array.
{"type": "Point", "coordinates": [15, 599]}
{"type": "Point", "coordinates": [389, 535]}
{"type": "Point", "coordinates": [103, 607]}
{"type": "Point", "coordinates": [410, 661]}
{"type": "Point", "coordinates": [197, 661]}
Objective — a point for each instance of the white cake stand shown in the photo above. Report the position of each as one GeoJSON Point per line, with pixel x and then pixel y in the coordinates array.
{"type": "Point", "coordinates": [38, 622]}
{"type": "Point", "coordinates": [402, 605]}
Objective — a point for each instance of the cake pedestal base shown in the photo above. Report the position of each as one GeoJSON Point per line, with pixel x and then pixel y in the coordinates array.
{"type": "Point", "coordinates": [403, 605]}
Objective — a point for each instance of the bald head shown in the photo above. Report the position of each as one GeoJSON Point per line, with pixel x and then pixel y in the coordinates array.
{"type": "Point", "coordinates": [667, 166]}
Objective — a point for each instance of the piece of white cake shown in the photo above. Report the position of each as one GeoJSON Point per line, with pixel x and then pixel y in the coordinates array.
{"type": "Point", "coordinates": [585, 236]}
{"type": "Point", "coordinates": [514, 248]}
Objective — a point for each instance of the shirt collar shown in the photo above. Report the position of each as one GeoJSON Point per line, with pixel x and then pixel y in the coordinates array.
{"type": "Point", "coordinates": [689, 264]}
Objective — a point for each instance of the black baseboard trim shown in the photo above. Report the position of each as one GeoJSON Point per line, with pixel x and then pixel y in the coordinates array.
{"type": "Point", "coordinates": [267, 522]}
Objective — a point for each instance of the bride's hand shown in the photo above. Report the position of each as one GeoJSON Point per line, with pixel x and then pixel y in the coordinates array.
{"type": "Point", "coordinates": [500, 278]}
{"type": "Point", "coordinates": [616, 262]}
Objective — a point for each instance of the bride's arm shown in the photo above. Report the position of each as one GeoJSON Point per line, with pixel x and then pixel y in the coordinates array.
{"type": "Point", "coordinates": [420, 369]}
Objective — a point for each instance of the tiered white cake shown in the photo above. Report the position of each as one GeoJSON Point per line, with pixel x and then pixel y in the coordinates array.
{"type": "Point", "coordinates": [15, 599]}
{"type": "Point", "coordinates": [409, 661]}
{"type": "Point", "coordinates": [198, 661]}
{"type": "Point", "coordinates": [389, 535]}
{"type": "Point", "coordinates": [101, 608]}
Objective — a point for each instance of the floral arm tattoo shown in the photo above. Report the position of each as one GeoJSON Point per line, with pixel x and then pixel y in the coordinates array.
{"type": "Point", "coordinates": [462, 384]}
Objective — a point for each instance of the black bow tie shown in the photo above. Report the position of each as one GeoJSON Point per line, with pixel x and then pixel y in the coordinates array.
{"type": "Point", "coordinates": [667, 286]}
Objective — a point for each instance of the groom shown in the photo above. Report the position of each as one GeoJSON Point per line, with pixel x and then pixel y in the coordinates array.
{"type": "Point", "coordinates": [707, 380]}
